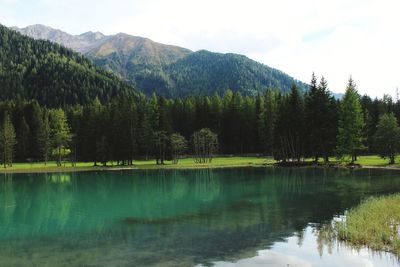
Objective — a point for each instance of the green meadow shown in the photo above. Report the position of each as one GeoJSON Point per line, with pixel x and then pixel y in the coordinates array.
{"type": "Point", "coordinates": [234, 161]}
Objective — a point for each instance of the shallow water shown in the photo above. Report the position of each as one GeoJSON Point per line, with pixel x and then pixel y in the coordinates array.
{"type": "Point", "coordinates": [223, 217]}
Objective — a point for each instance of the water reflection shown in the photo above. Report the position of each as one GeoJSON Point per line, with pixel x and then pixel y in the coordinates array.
{"type": "Point", "coordinates": [290, 253]}
{"type": "Point", "coordinates": [177, 217]}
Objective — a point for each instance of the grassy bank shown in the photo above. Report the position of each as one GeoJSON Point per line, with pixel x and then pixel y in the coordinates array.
{"type": "Point", "coordinates": [377, 161]}
{"type": "Point", "coordinates": [218, 162]}
{"type": "Point", "coordinates": [374, 223]}
{"type": "Point", "coordinates": [370, 160]}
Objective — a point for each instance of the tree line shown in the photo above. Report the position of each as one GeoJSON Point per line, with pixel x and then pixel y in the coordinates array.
{"type": "Point", "coordinates": [287, 126]}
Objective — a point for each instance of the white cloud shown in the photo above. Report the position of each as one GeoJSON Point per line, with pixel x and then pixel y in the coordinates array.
{"type": "Point", "coordinates": [8, 2]}
{"type": "Point", "coordinates": [332, 38]}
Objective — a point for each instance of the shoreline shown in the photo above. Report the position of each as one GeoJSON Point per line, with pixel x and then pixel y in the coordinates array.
{"type": "Point", "coordinates": [69, 169]}
{"type": "Point", "coordinates": [59, 170]}
{"type": "Point", "coordinates": [121, 168]}
{"type": "Point", "coordinates": [381, 167]}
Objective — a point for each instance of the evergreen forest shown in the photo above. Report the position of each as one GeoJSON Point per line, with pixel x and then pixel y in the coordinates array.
{"type": "Point", "coordinates": [288, 126]}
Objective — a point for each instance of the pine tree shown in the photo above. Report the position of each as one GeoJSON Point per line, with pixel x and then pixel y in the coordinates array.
{"type": "Point", "coordinates": [321, 118]}
{"type": "Point", "coordinates": [270, 116]}
{"type": "Point", "coordinates": [44, 138]}
{"type": "Point", "coordinates": [178, 115]}
{"type": "Point", "coordinates": [23, 140]}
{"type": "Point", "coordinates": [121, 131]}
{"type": "Point", "coordinates": [7, 141]}
{"type": "Point", "coordinates": [160, 146]}
{"type": "Point", "coordinates": [290, 127]}
{"type": "Point", "coordinates": [232, 125]}
{"type": "Point", "coordinates": [329, 125]}
{"type": "Point", "coordinates": [313, 119]}
{"type": "Point", "coordinates": [387, 137]}
{"type": "Point", "coordinates": [153, 112]}
{"type": "Point", "coordinates": [216, 114]}
{"type": "Point", "coordinates": [248, 119]}
{"type": "Point", "coordinates": [260, 123]}
{"type": "Point", "coordinates": [144, 130]}
{"type": "Point", "coordinates": [60, 132]}
{"type": "Point", "coordinates": [132, 130]}
{"type": "Point", "coordinates": [33, 115]}
{"type": "Point", "coordinates": [164, 121]}
{"type": "Point", "coordinates": [371, 117]}
{"type": "Point", "coordinates": [189, 117]}
{"type": "Point", "coordinates": [351, 124]}
{"type": "Point", "coordinates": [89, 131]}
{"type": "Point", "coordinates": [102, 150]}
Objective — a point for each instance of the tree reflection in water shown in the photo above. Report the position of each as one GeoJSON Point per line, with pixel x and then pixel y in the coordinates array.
{"type": "Point", "coordinates": [176, 217]}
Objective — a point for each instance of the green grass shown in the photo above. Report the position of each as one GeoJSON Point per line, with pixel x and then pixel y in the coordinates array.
{"type": "Point", "coordinates": [49, 165]}
{"type": "Point", "coordinates": [235, 161]}
{"type": "Point", "coordinates": [375, 161]}
{"type": "Point", "coordinates": [142, 164]}
{"type": "Point", "coordinates": [370, 160]}
{"type": "Point", "coordinates": [216, 162]}
{"type": "Point", "coordinates": [374, 223]}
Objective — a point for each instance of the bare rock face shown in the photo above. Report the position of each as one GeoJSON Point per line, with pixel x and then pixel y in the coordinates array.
{"type": "Point", "coordinates": [98, 44]}
{"type": "Point", "coordinates": [80, 43]}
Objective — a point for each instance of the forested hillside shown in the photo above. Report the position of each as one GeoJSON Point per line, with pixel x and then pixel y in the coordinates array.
{"type": "Point", "coordinates": [204, 73]}
{"type": "Point", "coordinates": [52, 74]}
{"type": "Point", "coordinates": [169, 70]}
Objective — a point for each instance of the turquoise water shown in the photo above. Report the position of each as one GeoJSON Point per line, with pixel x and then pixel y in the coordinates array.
{"type": "Point", "coordinates": [223, 217]}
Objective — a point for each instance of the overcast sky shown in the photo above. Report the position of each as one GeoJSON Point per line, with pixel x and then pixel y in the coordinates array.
{"type": "Point", "coordinates": [336, 38]}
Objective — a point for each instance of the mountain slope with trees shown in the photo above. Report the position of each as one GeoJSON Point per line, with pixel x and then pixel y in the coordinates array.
{"type": "Point", "coordinates": [204, 73]}
{"type": "Point", "coordinates": [170, 70]}
{"type": "Point", "coordinates": [52, 74]}
{"type": "Point", "coordinates": [140, 61]}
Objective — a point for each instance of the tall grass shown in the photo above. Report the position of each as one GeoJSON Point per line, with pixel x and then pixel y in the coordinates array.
{"type": "Point", "coordinates": [374, 223]}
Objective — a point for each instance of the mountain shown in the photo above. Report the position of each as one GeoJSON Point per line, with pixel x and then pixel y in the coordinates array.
{"type": "Point", "coordinates": [166, 69]}
{"type": "Point", "coordinates": [52, 74]}
{"type": "Point", "coordinates": [138, 60]}
{"type": "Point", "coordinates": [204, 72]}
{"type": "Point", "coordinates": [80, 43]}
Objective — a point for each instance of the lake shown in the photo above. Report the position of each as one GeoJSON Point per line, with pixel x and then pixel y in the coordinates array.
{"type": "Point", "coordinates": [204, 217]}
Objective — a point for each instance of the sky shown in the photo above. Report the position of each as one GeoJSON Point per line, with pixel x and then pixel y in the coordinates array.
{"type": "Point", "coordinates": [334, 39]}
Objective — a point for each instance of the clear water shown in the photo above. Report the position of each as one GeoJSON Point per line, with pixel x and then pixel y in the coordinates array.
{"type": "Point", "coordinates": [222, 217]}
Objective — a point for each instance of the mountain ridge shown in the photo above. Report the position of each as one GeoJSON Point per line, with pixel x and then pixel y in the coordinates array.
{"type": "Point", "coordinates": [167, 69]}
